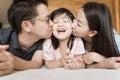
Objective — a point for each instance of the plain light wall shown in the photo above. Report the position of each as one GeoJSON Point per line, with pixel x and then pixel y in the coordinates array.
{"type": "Point", "coordinates": [4, 4]}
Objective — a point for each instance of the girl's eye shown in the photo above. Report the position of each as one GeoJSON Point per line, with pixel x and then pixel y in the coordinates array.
{"type": "Point", "coordinates": [55, 21]}
{"type": "Point", "coordinates": [65, 20]}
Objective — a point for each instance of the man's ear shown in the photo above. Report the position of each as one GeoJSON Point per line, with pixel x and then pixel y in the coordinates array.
{"type": "Point", "coordinates": [92, 33]}
{"type": "Point", "coordinates": [26, 26]}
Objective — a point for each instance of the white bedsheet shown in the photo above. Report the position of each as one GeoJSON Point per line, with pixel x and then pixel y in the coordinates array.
{"type": "Point", "coordinates": [61, 74]}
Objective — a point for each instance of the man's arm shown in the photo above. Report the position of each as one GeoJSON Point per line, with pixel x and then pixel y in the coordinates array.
{"type": "Point", "coordinates": [5, 72]}
{"type": "Point", "coordinates": [36, 62]}
{"type": "Point", "coordinates": [9, 61]}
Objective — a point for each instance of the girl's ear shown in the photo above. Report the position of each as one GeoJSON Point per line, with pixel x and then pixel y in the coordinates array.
{"type": "Point", "coordinates": [26, 26]}
{"type": "Point", "coordinates": [92, 33]}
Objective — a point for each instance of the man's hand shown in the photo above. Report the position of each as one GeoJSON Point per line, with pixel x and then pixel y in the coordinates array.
{"type": "Point", "coordinates": [3, 47]}
{"type": "Point", "coordinates": [6, 60]}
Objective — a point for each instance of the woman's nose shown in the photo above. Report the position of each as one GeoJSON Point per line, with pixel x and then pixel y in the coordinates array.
{"type": "Point", "coordinates": [74, 24]}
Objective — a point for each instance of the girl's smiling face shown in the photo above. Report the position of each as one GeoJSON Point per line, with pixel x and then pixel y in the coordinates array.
{"type": "Point", "coordinates": [62, 28]}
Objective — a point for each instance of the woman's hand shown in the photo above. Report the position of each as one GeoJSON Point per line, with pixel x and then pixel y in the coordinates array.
{"type": "Point", "coordinates": [111, 63]}
{"type": "Point", "coordinates": [108, 63]}
{"type": "Point", "coordinates": [92, 57]}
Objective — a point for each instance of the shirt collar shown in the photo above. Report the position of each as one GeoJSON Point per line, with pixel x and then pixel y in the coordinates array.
{"type": "Point", "coordinates": [15, 44]}
{"type": "Point", "coordinates": [14, 40]}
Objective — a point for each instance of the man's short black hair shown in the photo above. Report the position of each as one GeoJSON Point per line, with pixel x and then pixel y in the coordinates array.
{"type": "Point", "coordinates": [22, 10]}
{"type": "Point", "coordinates": [42, 1]}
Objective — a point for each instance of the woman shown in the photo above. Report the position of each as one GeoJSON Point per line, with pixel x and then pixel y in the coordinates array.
{"type": "Point", "coordinates": [94, 25]}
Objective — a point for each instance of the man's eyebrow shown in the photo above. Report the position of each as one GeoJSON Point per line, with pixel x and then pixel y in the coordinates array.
{"type": "Point", "coordinates": [47, 16]}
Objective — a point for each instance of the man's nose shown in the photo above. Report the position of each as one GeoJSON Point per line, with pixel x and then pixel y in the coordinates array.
{"type": "Point", "coordinates": [50, 23]}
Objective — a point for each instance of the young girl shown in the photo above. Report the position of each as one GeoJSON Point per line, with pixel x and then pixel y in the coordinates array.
{"type": "Point", "coordinates": [94, 25]}
{"type": "Point", "coordinates": [62, 40]}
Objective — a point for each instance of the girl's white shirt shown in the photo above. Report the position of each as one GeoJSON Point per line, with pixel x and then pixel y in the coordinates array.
{"type": "Point", "coordinates": [49, 53]}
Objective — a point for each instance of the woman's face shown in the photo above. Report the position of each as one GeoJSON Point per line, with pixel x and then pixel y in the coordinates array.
{"type": "Point", "coordinates": [82, 28]}
{"type": "Point", "coordinates": [62, 28]}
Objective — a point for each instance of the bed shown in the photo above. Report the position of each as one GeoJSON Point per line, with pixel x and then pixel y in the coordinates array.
{"type": "Point", "coordinates": [61, 74]}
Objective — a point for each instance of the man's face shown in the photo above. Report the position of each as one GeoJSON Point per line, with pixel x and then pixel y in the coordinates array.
{"type": "Point", "coordinates": [41, 28]}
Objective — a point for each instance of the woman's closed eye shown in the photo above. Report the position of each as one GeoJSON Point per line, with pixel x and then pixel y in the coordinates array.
{"type": "Point", "coordinates": [78, 24]}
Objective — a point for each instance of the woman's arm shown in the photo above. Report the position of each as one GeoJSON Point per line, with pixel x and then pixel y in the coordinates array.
{"type": "Point", "coordinates": [108, 63]}
{"type": "Point", "coordinates": [92, 57]}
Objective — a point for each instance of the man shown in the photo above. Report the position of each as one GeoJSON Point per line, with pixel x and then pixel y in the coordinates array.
{"type": "Point", "coordinates": [30, 25]}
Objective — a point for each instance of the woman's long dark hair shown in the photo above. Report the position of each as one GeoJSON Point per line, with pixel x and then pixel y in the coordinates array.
{"type": "Point", "coordinates": [60, 11]}
{"type": "Point", "coordinates": [99, 19]}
